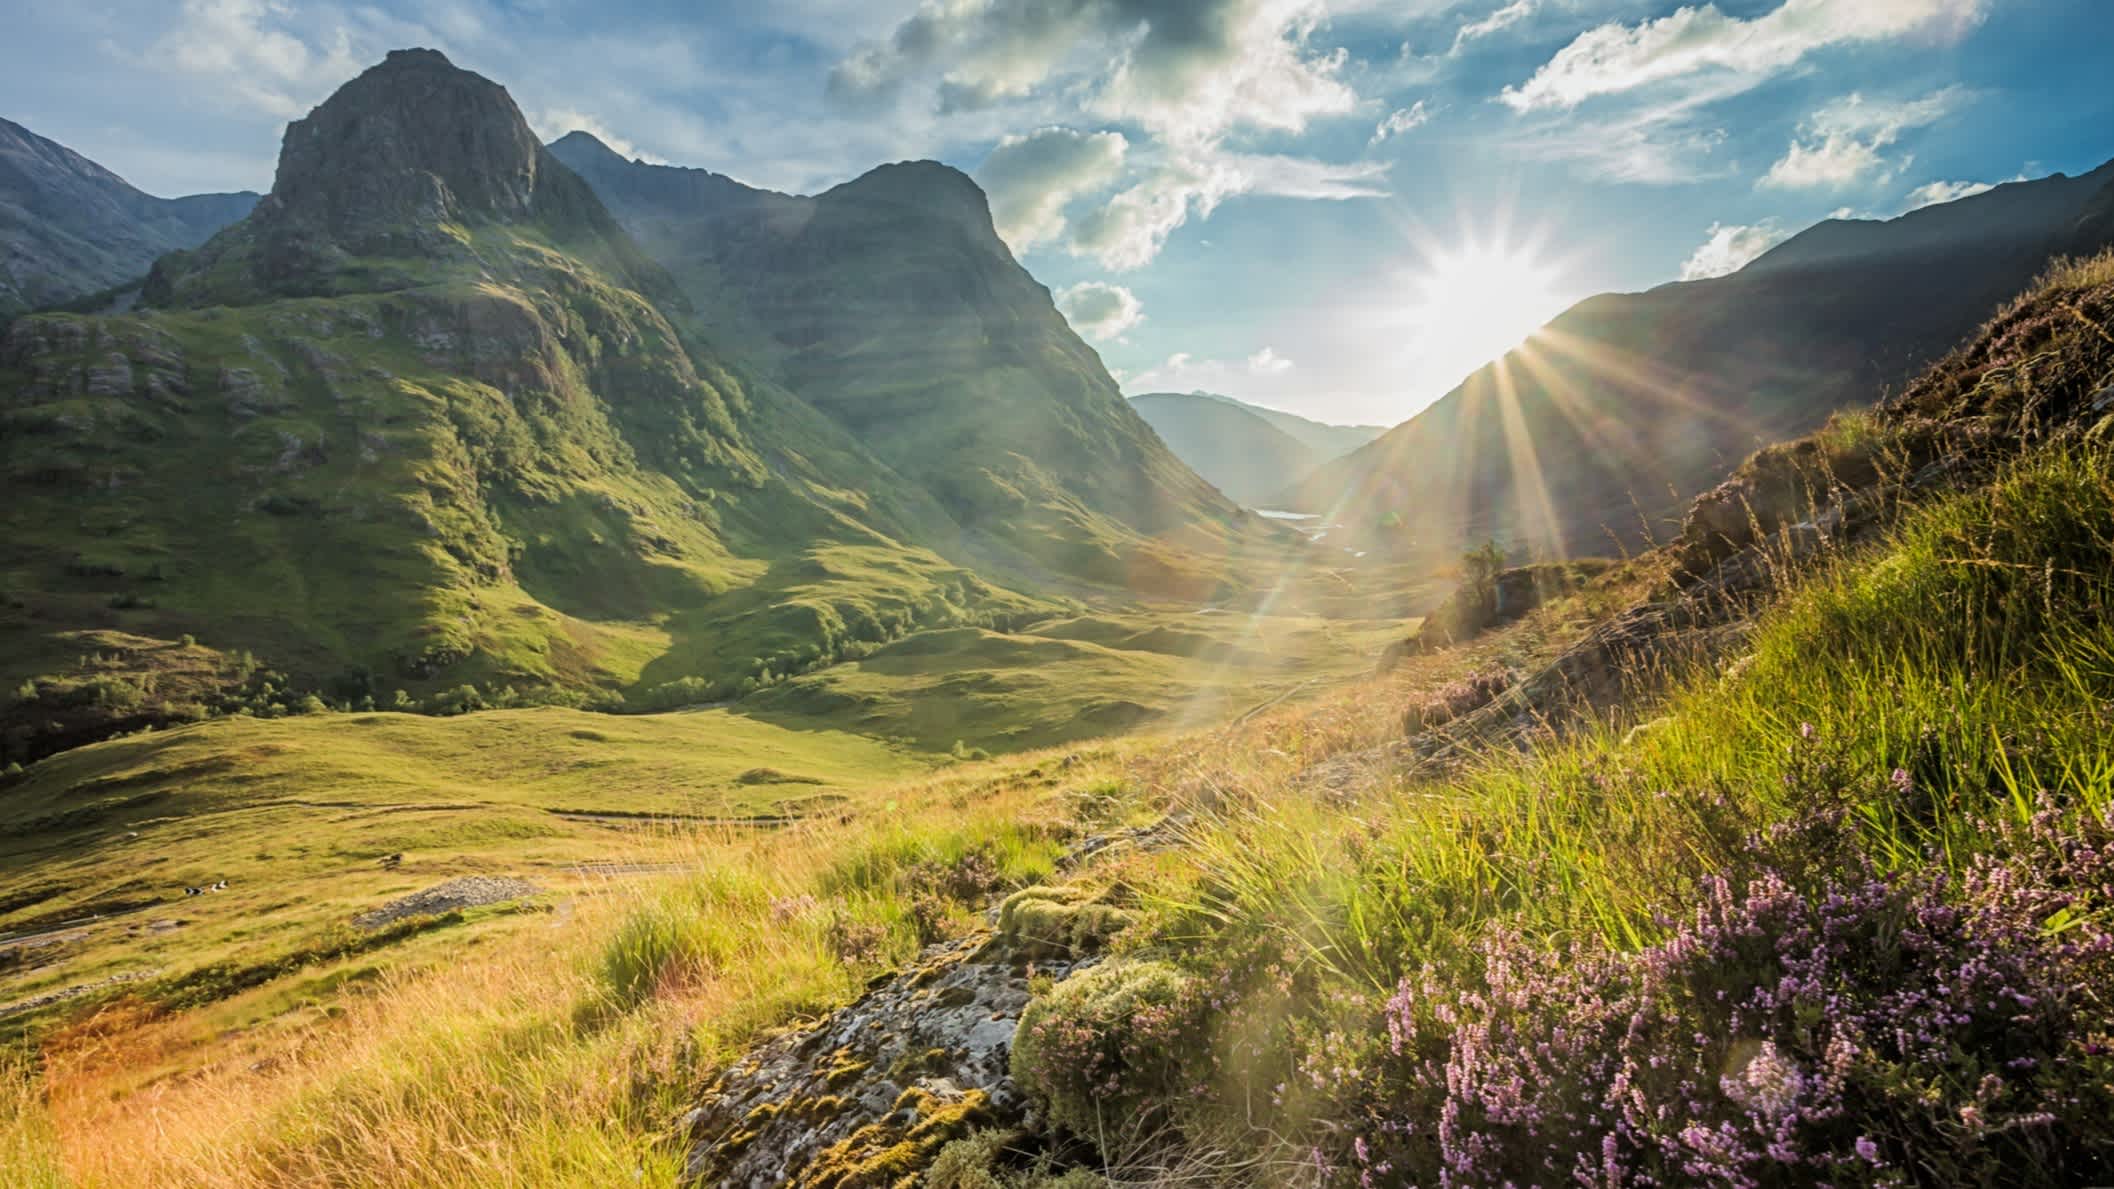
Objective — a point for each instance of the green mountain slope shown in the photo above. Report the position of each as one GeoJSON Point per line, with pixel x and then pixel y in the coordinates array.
{"type": "Point", "coordinates": [421, 420]}
{"type": "Point", "coordinates": [1627, 404]}
{"type": "Point", "coordinates": [1242, 454]}
{"type": "Point", "coordinates": [70, 228]}
{"type": "Point", "coordinates": [891, 304]}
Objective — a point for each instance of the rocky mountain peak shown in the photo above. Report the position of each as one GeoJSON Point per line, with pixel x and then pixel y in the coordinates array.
{"type": "Point", "coordinates": [415, 139]}
{"type": "Point", "coordinates": [393, 167]}
{"type": "Point", "coordinates": [585, 146]}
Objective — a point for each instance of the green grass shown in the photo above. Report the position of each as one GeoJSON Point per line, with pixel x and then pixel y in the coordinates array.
{"type": "Point", "coordinates": [1076, 677]}
{"type": "Point", "coordinates": [295, 814]}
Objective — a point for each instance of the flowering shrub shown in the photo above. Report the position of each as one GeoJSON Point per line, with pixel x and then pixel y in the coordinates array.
{"type": "Point", "coordinates": [1455, 699]}
{"type": "Point", "coordinates": [1850, 1030]}
{"type": "Point", "coordinates": [1106, 1050]}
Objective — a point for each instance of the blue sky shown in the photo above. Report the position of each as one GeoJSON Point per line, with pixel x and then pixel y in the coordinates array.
{"type": "Point", "coordinates": [1335, 208]}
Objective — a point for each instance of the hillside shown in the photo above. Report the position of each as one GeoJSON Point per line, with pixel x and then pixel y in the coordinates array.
{"type": "Point", "coordinates": [422, 421]}
{"type": "Point", "coordinates": [1248, 452]}
{"type": "Point", "coordinates": [1780, 853]}
{"type": "Point", "coordinates": [70, 228]}
{"type": "Point", "coordinates": [1605, 421]}
{"type": "Point", "coordinates": [890, 303]}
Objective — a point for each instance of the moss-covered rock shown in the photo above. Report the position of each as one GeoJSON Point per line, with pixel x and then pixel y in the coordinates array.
{"type": "Point", "coordinates": [1050, 922]}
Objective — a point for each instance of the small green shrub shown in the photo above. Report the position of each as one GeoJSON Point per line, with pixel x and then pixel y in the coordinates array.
{"type": "Point", "coordinates": [1108, 1049]}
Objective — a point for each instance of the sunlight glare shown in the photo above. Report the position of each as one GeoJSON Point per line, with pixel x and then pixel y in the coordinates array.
{"type": "Point", "coordinates": [1480, 300]}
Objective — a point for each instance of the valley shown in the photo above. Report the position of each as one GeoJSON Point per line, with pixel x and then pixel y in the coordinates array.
{"type": "Point", "coordinates": [523, 664]}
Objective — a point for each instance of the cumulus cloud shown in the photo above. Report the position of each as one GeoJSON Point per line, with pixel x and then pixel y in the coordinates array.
{"type": "Point", "coordinates": [1182, 75]}
{"type": "Point", "coordinates": [1615, 58]}
{"type": "Point", "coordinates": [254, 56]}
{"type": "Point", "coordinates": [1030, 179]}
{"type": "Point", "coordinates": [1268, 362]}
{"type": "Point", "coordinates": [1402, 120]}
{"type": "Point", "coordinates": [1186, 69]}
{"type": "Point", "coordinates": [1845, 141]}
{"type": "Point", "coordinates": [1100, 311]}
{"type": "Point", "coordinates": [1730, 247]}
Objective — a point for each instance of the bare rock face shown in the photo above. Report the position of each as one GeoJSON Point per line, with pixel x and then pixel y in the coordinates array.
{"type": "Point", "coordinates": [875, 1090]}
{"type": "Point", "coordinates": [413, 140]}
{"type": "Point", "coordinates": [382, 181]}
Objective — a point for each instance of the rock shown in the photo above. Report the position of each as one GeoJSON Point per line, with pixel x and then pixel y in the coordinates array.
{"type": "Point", "coordinates": [469, 891]}
{"type": "Point", "coordinates": [880, 1085]}
{"type": "Point", "coordinates": [112, 378]}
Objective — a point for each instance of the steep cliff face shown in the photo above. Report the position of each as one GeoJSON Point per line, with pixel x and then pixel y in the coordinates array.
{"type": "Point", "coordinates": [389, 179]}
{"type": "Point", "coordinates": [70, 228]}
{"type": "Point", "coordinates": [1604, 423]}
{"type": "Point", "coordinates": [890, 303]}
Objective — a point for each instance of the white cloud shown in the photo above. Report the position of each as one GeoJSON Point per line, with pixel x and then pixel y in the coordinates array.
{"type": "Point", "coordinates": [1030, 179]}
{"type": "Point", "coordinates": [1182, 75]}
{"type": "Point", "coordinates": [1615, 58]}
{"type": "Point", "coordinates": [1100, 311]}
{"type": "Point", "coordinates": [1402, 120]}
{"type": "Point", "coordinates": [1933, 193]}
{"type": "Point", "coordinates": [1267, 362]}
{"type": "Point", "coordinates": [1667, 142]}
{"type": "Point", "coordinates": [1844, 142]}
{"type": "Point", "coordinates": [250, 52]}
{"type": "Point", "coordinates": [1183, 372]}
{"type": "Point", "coordinates": [1504, 18]}
{"type": "Point", "coordinates": [1129, 230]}
{"type": "Point", "coordinates": [1188, 70]}
{"type": "Point", "coordinates": [1730, 248]}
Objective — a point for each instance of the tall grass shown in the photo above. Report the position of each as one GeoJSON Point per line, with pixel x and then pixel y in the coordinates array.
{"type": "Point", "coordinates": [1953, 681]}
{"type": "Point", "coordinates": [558, 1054]}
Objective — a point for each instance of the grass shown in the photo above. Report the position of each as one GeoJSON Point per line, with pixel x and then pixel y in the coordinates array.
{"type": "Point", "coordinates": [551, 1055]}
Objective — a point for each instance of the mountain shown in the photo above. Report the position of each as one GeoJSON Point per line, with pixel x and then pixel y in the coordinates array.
{"type": "Point", "coordinates": [70, 228]}
{"type": "Point", "coordinates": [890, 303]}
{"type": "Point", "coordinates": [427, 418]}
{"type": "Point", "coordinates": [1248, 452]}
{"type": "Point", "coordinates": [1614, 413]}
{"type": "Point", "coordinates": [1329, 441]}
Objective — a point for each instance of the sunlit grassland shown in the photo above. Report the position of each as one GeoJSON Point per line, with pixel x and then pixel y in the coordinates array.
{"type": "Point", "coordinates": [554, 1053]}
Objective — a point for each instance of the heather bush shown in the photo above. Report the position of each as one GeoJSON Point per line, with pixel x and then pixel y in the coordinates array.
{"type": "Point", "coordinates": [1858, 1028]}
{"type": "Point", "coordinates": [1469, 694]}
{"type": "Point", "coordinates": [1112, 1048]}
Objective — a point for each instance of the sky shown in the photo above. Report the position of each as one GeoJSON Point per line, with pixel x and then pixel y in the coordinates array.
{"type": "Point", "coordinates": [1334, 207]}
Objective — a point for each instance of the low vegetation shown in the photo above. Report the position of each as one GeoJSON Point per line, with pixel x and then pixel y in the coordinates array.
{"type": "Point", "coordinates": [1829, 900]}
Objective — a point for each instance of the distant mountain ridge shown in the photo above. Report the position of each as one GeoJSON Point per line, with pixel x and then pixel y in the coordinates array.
{"type": "Point", "coordinates": [890, 303]}
{"type": "Point", "coordinates": [1592, 433]}
{"type": "Point", "coordinates": [70, 228]}
{"type": "Point", "coordinates": [1247, 451]}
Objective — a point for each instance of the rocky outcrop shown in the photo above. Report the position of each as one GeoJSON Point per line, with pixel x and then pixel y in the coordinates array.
{"type": "Point", "coordinates": [871, 1093]}
{"type": "Point", "coordinates": [467, 891]}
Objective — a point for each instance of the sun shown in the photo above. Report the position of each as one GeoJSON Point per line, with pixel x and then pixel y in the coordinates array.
{"type": "Point", "coordinates": [1479, 298]}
